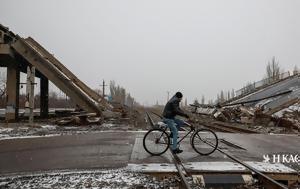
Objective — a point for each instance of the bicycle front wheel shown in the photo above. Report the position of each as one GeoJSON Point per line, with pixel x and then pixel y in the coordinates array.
{"type": "Point", "coordinates": [204, 141]}
{"type": "Point", "coordinates": [156, 142]}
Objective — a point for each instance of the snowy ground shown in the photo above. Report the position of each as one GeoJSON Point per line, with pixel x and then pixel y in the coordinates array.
{"type": "Point", "coordinates": [112, 179]}
{"type": "Point", "coordinates": [23, 130]}
{"type": "Point", "coordinates": [108, 179]}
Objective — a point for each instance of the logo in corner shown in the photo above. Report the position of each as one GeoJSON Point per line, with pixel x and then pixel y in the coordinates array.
{"type": "Point", "coordinates": [266, 159]}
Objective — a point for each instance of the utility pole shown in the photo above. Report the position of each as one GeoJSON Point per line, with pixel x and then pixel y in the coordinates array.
{"type": "Point", "coordinates": [103, 88]}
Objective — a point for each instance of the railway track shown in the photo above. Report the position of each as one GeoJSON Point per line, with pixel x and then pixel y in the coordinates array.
{"type": "Point", "coordinates": [268, 182]}
{"type": "Point", "coordinates": [182, 172]}
{"type": "Point", "coordinates": [223, 127]}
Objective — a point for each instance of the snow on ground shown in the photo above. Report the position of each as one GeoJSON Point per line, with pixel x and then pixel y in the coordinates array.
{"type": "Point", "coordinates": [23, 130]}
{"type": "Point", "coordinates": [110, 179]}
{"type": "Point", "coordinates": [49, 127]}
{"type": "Point", "coordinates": [6, 129]}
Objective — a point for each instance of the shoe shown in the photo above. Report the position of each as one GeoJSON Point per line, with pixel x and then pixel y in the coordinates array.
{"type": "Point", "coordinates": [177, 151]}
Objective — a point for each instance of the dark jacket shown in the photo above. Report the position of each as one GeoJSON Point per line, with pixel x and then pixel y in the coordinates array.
{"type": "Point", "coordinates": [172, 109]}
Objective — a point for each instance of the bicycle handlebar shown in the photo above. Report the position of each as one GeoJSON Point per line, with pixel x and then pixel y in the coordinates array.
{"type": "Point", "coordinates": [188, 124]}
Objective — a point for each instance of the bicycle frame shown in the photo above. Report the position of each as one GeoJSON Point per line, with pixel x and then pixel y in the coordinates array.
{"type": "Point", "coordinates": [182, 138]}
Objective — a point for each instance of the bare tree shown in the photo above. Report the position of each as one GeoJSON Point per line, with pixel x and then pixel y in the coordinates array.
{"type": "Point", "coordinates": [130, 101]}
{"type": "Point", "coordinates": [273, 70]}
{"type": "Point", "coordinates": [203, 100]}
{"type": "Point", "coordinates": [248, 88]}
{"type": "Point", "coordinates": [296, 70]}
{"type": "Point", "coordinates": [2, 88]}
{"type": "Point", "coordinates": [222, 96]}
{"type": "Point", "coordinates": [228, 95]}
{"type": "Point", "coordinates": [196, 102]}
{"type": "Point", "coordinates": [2, 84]}
{"type": "Point", "coordinates": [119, 94]}
{"type": "Point", "coordinates": [232, 93]}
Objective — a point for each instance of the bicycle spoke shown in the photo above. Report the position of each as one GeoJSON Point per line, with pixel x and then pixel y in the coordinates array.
{"type": "Point", "coordinates": [156, 142]}
{"type": "Point", "coordinates": [206, 144]}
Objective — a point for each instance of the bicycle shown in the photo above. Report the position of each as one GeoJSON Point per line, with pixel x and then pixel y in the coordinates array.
{"type": "Point", "coordinates": [157, 140]}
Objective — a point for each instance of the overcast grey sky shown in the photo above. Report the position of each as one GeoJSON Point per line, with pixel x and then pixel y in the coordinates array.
{"type": "Point", "coordinates": [150, 47]}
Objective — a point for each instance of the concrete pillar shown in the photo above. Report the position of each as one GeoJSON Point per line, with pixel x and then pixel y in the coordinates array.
{"type": "Point", "coordinates": [12, 93]}
{"type": "Point", "coordinates": [29, 104]}
{"type": "Point", "coordinates": [44, 90]}
{"type": "Point", "coordinates": [17, 93]}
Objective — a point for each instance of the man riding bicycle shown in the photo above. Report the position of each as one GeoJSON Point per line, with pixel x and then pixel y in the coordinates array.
{"type": "Point", "coordinates": [171, 110]}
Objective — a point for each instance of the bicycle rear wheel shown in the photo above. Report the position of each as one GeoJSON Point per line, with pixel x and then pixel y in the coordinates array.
{"type": "Point", "coordinates": [156, 142]}
{"type": "Point", "coordinates": [204, 141]}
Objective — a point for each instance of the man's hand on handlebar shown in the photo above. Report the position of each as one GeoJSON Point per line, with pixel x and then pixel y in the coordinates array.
{"type": "Point", "coordinates": [187, 116]}
{"type": "Point", "coordinates": [192, 127]}
{"type": "Point", "coordinates": [189, 122]}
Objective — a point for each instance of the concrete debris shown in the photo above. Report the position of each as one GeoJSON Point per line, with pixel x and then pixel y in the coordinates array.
{"type": "Point", "coordinates": [235, 114]}
{"type": "Point", "coordinates": [285, 121]}
{"type": "Point", "coordinates": [120, 114]}
{"type": "Point", "coordinates": [81, 119]}
{"type": "Point", "coordinates": [111, 115]}
{"type": "Point", "coordinates": [248, 115]}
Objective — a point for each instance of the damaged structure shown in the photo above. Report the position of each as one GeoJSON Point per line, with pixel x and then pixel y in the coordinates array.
{"type": "Point", "coordinates": [17, 53]}
{"type": "Point", "coordinates": [275, 104]}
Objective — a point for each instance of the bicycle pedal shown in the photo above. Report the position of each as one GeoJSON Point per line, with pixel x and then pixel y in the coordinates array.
{"type": "Point", "coordinates": [177, 151]}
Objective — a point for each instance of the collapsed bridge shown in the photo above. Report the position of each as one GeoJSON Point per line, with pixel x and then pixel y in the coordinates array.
{"type": "Point", "coordinates": [17, 53]}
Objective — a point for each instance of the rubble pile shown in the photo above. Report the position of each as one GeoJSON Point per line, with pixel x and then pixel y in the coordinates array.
{"type": "Point", "coordinates": [118, 114]}
{"type": "Point", "coordinates": [235, 114]}
{"type": "Point", "coordinates": [79, 119]}
{"type": "Point", "coordinates": [290, 116]}
{"type": "Point", "coordinates": [256, 118]}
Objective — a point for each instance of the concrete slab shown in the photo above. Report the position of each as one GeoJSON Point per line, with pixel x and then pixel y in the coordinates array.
{"type": "Point", "coordinates": [212, 167]}
{"type": "Point", "coordinates": [140, 155]}
{"type": "Point", "coordinates": [85, 151]}
{"type": "Point", "coordinates": [111, 149]}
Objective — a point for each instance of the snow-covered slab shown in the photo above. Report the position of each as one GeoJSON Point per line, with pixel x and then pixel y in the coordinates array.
{"type": "Point", "coordinates": [152, 167]}
{"type": "Point", "coordinates": [139, 153]}
{"type": "Point", "coordinates": [212, 167]}
{"type": "Point", "coordinates": [271, 167]}
{"type": "Point", "coordinates": [49, 127]}
{"type": "Point", "coordinates": [215, 167]}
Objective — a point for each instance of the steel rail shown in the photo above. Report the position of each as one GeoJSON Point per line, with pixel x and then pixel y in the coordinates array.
{"type": "Point", "coordinates": [272, 184]}
{"type": "Point", "coordinates": [176, 160]}
{"type": "Point", "coordinates": [226, 128]}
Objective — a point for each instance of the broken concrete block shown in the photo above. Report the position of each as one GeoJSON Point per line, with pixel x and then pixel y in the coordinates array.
{"type": "Point", "coordinates": [247, 111]}
{"type": "Point", "coordinates": [247, 120]}
{"type": "Point", "coordinates": [109, 114]}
